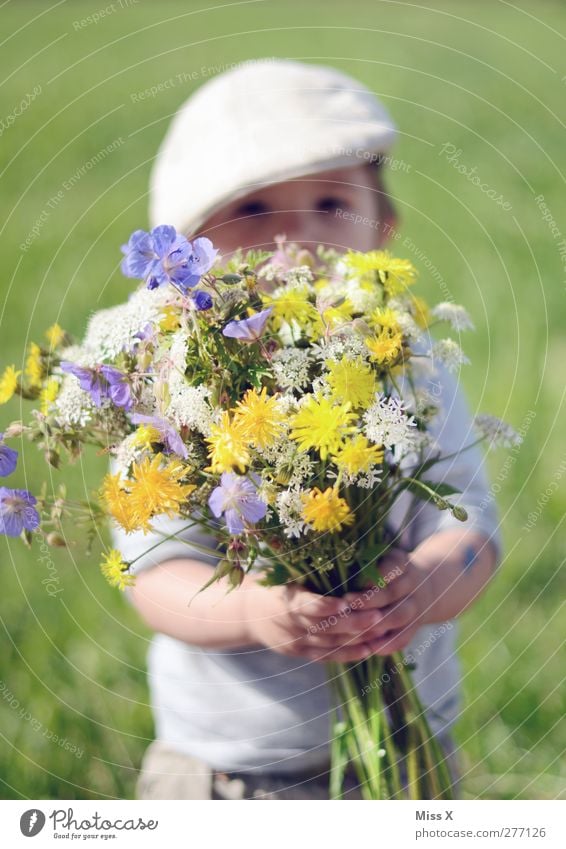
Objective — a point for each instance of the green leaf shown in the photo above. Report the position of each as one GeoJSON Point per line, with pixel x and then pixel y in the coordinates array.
{"type": "Point", "coordinates": [276, 576]}
{"type": "Point", "coordinates": [367, 562]}
{"type": "Point", "coordinates": [441, 489]}
{"type": "Point", "coordinates": [431, 491]}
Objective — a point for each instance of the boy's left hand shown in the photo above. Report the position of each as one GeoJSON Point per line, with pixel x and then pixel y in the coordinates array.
{"type": "Point", "coordinates": [405, 602]}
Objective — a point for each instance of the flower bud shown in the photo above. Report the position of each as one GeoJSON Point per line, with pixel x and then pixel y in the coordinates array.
{"type": "Point", "coordinates": [236, 576]}
{"type": "Point", "coordinates": [14, 429]}
{"type": "Point", "coordinates": [459, 513]}
{"type": "Point", "coordinates": [53, 458]}
{"type": "Point", "coordinates": [56, 540]}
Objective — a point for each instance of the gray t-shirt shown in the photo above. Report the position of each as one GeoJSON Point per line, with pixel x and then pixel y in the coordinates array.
{"type": "Point", "coordinates": [255, 709]}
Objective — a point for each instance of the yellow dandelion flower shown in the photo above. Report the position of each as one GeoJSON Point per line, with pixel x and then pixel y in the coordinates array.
{"type": "Point", "coordinates": [326, 511]}
{"type": "Point", "coordinates": [421, 311]}
{"type": "Point", "coordinates": [259, 418]}
{"type": "Point", "coordinates": [322, 424]}
{"type": "Point", "coordinates": [144, 436]}
{"type": "Point", "coordinates": [8, 383]}
{"type": "Point", "coordinates": [170, 319]}
{"type": "Point", "coordinates": [385, 317]}
{"type": "Point", "coordinates": [116, 571]}
{"type": "Point", "coordinates": [156, 489]}
{"type": "Point", "coordinates": [291, 305]}
{"type": "Point", "coordinates": [34, 365]}
{"type": "Point", "coordinates": [385, 347]}
{"type": "Point", "coordinates": [55, 335]}
{"type": "Point", "coordinates": [48, 394]}
{"type": "Point", "coordinates": [395, 274]}
{"type": "Point", "coordinates": [358, 455]}
{"type": "Point", "coordinates": [352, 380]}
{"type": "Point", "coordinates": [115, 498]}
{"type": "Point", "coordinates": [228, 446]}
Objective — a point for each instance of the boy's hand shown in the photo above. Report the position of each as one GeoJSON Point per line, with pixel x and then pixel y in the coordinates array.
{"type": "Point", "coordinates": [403, 602]}
{"type": "Point", "coordinates": [298, 623]}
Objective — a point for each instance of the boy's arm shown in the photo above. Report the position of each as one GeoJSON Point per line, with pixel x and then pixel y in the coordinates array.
{"type": "Point", "coordinates": [456, 565]}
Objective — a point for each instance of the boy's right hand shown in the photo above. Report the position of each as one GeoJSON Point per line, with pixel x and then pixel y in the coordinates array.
{"type": "Point", "coordinates": [296, 622]}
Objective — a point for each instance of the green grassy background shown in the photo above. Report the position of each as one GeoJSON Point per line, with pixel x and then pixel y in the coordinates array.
{"type": "Point", "coordinates": [487, 77]}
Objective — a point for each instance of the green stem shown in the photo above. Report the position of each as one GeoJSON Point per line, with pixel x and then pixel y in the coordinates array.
{"type": "Point", "coordinates": [438, 774]}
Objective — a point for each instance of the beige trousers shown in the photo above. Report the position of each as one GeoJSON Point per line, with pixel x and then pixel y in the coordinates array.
{"type": "Point", "coordinates": [169, 774]}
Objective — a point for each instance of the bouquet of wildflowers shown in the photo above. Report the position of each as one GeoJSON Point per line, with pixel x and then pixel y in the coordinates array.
{"type": "Point", "coordinates": [261, 397]}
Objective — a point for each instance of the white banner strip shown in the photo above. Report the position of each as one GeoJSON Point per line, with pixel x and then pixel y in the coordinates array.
{"type": "Point", "coordinates": [169, 824]}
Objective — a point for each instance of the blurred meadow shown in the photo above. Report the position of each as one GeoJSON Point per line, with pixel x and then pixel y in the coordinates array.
{"type": "Point", "coordinates": [473, 85]}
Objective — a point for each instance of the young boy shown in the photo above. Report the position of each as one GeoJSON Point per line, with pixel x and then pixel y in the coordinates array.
{"type": "Point", "coordinates": [238, 681]}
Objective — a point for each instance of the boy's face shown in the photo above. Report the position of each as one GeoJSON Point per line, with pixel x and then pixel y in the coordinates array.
{"type": "Point", "coordinates": [344, 208]}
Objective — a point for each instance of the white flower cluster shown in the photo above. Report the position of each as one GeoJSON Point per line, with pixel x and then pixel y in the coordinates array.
{"type": "Point", "coordinates": [111, 330]}
{"type": "Point", "coordinates": [496, 431]}
{"type": "Point", "coordinates": [449, 354]}
{"type": "Point", "coordinates": [454, 314]}
{"type": "Point", "coordinates": [365, 480]}
{"type": "Point", "coordinates": [73, 406]}
{"type": "Point", "coordinates": [291, 367]}
{"type": "Point", "coordinates": [387, 423]}
{"type": "Point", "coordinates": [286, 461]}
{"type": "Point", "coordinates": [289, 509]}
{"type": "Point", "coordinates": [188, 405]}
{"type": "Point", "coordinates": [299, 277]}
{"type": "Point", "coordinates": [343, 345]}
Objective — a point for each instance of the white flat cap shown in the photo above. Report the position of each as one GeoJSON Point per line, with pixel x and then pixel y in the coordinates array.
{"type": "Point", "coordinates": [261, 122]}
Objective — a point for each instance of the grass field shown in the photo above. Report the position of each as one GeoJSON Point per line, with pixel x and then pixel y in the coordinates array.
{"type": "Point", "coordinates": [472, 85]}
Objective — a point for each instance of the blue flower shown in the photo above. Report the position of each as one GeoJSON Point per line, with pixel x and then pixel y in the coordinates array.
{"type": "Point", "coordinates": [171, 440]}
{"type": "Point", "coordinates": [164, 256]}
{"type": "Point", "coordinates": [248, 329]}
{"type": "Point", "coordinates": [236, 498]}
{"type": "Point", "coordinates": [17, 511]}
{"type": "Point", "coordinates": [202, 300]}
{"type": "Point", "coordinates": [8, 458]}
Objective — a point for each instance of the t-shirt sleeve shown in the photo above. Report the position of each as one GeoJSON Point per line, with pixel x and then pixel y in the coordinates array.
{"type": "Point", "coordinates": [453, 430]}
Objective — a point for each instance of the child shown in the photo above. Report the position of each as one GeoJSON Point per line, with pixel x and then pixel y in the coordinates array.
{"type": "Point", "coordinates": [238, 681]}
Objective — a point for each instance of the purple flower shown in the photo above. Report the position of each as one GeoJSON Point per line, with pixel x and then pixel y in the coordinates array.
{"type": "Point", "coordinates": [202, 258]}
{"type": "Point", "coordinates": [102, 382]}
{"type": "Point", "coordinates": [90, 380]}
{"type": "Point", "coordinates": [248, 329]}
{"type": "Point", "coordinates": [8, 458]}
{"type": "Point", "coordinates": [202, 300]}
{"type": "Point", "coordinates": [119, 389]}
{"type": "Point", "coordinates": [171, 440]}
{"type": "Point", "coordinates": [17, 511]}
{"type": "Point", "coordinates": [164, 256]}
{"type": "Point", "coordinates": [237, 499]}
{"type": "Point", "coordinates": [139, 256]}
